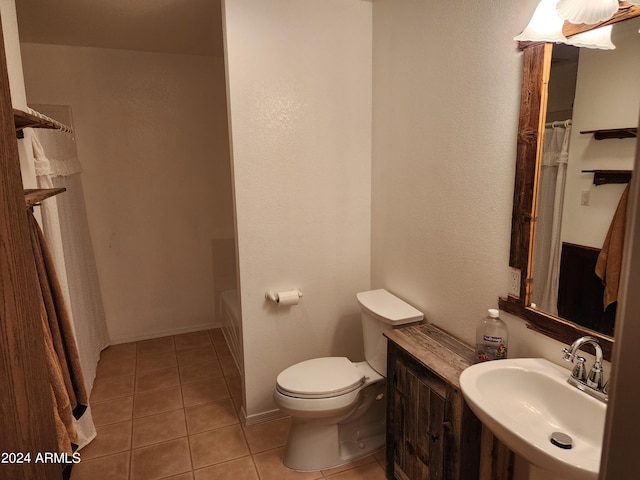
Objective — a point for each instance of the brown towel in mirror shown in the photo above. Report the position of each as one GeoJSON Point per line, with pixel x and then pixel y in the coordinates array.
{"type": "Point", "coordinates": [609, 261]}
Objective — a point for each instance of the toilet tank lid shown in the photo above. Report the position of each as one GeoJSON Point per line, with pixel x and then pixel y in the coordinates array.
{"type": "Point", "coordinates": [388, 308]}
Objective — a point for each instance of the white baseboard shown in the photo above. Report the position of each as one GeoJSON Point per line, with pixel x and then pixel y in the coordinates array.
{"type": "Point", "coordinates": [166, 333]}
{"type": "Point", "coordinates": [261, 417]}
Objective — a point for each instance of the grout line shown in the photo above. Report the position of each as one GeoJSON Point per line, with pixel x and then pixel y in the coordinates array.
{"type": "Point", "coordinates": [133, 409]}
{"type": "Point", "coordinates": [225, 378]}
{"type": "Point", "coordinates": [190, 451]}
{"type": "Point", "coordinates": [255, 467]}
{"type": "Point", "coordinates": [131, 446]}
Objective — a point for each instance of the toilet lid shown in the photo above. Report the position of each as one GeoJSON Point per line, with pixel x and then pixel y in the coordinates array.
{"type": "Point", "coordinates": [320, 378]}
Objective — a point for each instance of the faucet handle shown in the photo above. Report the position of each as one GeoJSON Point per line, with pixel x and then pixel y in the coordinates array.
{"type": "Point", "coordinates": [568, 356]}
{"type": "Point", "coordinates": [595, 379]}
{"type": "Point", "coordinates": [579, 371]}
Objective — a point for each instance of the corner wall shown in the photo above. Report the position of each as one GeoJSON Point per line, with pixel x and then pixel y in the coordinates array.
{"type": "Point", "coordinates": [152, 139]}
{"type": "Point", "coordinates": [299, 79]}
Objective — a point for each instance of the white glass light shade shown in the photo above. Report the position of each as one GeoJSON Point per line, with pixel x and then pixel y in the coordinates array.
{"type": "Point", "coordinates": [545, 24]}
{"type": "Point", "coordinates": [587, 11]}
{"type": "Point", "coordinates": [598, 38]}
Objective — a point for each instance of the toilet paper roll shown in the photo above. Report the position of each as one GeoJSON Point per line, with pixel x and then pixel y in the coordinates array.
{"type": "Point", "coordinates": [290, 297]}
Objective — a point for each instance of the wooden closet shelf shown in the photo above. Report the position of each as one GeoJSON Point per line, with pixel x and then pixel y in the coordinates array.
{"type": "Point", "coordinates": [630, 132]}
{"type": "Point", "coordinates": [34, 196]}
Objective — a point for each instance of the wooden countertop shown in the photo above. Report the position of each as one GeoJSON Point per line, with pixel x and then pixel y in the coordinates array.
{"type": "Point", "coordinates": [440, 352]}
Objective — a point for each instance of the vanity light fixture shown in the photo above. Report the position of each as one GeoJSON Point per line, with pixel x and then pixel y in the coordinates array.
{"type": "Point", "coordinates": [597, 38]}
{"type": "Point", "coordinates": [547, 22]}
{"type": "Point", "coordinates": [587, 11]}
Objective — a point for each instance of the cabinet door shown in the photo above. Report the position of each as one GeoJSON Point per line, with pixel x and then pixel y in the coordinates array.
{"type": "Point", "coordinates": [416, 426]}
{"type": "Point", "coordinates": [431, 433]}
{"type": "Point", "coordinates": [430, 438]}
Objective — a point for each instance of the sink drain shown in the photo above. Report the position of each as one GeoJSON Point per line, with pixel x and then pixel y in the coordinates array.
{"type": "Point", "coordinates": [561, 440]}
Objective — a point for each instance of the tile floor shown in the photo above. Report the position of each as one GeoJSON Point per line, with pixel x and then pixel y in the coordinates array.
{"type": "Point", "coordinates": [168, 408]}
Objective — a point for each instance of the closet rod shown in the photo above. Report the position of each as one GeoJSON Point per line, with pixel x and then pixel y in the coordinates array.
{"type": "Point", "coordinates": [561, 123]}
{"type": "Point", "coordinates": [56, 124]}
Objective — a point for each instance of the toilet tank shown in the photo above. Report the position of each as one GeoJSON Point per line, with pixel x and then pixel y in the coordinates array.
{"type": "Point", "coordinates": [381, 311]}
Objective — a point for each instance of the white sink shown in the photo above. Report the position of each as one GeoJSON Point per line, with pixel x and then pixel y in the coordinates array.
{"type": "Point", "coordinates": [524, 400]}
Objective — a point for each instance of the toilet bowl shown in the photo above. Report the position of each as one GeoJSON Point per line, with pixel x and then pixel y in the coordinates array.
{"type": "Point", "coordinates": [337, 406]}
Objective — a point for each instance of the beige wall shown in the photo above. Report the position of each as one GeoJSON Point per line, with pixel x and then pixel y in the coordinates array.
{"type": "Point", "coordinates": [607, 96]}
{"type": "Point", "coordinates": [153, 143]}
{"type": "Point", "coordinates": [299, 76]}
{"type": "Point", "coordinates": [446, 92]}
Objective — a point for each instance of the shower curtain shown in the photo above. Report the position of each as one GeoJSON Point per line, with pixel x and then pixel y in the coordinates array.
{"type": "Point", "coordinates": [66, 228]}
{"type": "Point", "coordinates": [548, 244]}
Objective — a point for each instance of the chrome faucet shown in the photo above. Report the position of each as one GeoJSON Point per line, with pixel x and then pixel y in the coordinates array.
{"type": "Point", "coordinates": [593, 383]}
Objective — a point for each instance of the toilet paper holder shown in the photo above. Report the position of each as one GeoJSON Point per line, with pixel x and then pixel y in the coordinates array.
{"type": "Point", "coordinates": [277, 297]}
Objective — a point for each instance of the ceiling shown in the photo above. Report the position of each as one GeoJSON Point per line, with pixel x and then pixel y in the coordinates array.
{"type": "Point", "coordinates": [192, 27]}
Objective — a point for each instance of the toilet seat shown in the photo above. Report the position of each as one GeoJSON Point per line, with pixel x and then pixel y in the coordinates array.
{"type": "Point", "coordinates": [319, 378]}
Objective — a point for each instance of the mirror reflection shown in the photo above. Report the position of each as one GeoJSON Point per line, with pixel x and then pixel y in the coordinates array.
{"type": "Point", "coordinates": [581, 224]}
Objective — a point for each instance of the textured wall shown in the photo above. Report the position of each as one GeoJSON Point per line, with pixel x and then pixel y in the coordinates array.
{"type": "Point", "coordinates": [299, 77]}
{"type": "Point", "coordinates": [152, 139]}
{"type": "Point", "coordinates": [446, 97]}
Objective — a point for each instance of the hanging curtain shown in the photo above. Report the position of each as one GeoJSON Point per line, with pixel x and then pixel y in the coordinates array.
{"type": "Point", "coordinates": [548, 244]}
{"type": "Point", "coordinates": [66, 228]}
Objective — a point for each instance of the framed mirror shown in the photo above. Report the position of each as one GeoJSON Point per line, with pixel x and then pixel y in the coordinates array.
{"type": "Point", "coordinates": [550, 104]}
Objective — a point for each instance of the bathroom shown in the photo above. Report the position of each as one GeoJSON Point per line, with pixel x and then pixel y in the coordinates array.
{"type": "Point", "coordinates": [367, 156]}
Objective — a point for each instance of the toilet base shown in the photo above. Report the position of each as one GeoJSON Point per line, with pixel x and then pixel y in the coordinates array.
{"type": "Point", "coordinates": [319, 444]}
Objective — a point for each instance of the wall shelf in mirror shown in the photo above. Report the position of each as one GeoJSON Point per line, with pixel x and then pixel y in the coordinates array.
{"type": "Point", "coordinates": [604, 177]}
{"type": "Point", "coordinates": [631, 132]}
{"type": "Point", "coordinates": [34, 196]}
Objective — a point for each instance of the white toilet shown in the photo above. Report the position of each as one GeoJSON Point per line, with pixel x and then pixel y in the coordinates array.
{"type": "Point", "coordinates": [337, 407]}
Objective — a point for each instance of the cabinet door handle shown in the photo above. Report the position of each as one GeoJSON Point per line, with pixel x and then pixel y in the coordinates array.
{"type": "Point", "coordinates": [434, 436]}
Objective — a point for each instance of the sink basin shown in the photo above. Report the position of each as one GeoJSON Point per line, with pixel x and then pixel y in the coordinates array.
{"type": "Point", "coordinates": [524, 400]}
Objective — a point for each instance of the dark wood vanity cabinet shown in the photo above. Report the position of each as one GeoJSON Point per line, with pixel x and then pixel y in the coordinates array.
{"type": "Point", "coordinates": [431, 432]}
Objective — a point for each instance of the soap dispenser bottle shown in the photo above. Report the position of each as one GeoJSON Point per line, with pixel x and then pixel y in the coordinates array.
{"type": "Point", "coordinates": [491, 338]}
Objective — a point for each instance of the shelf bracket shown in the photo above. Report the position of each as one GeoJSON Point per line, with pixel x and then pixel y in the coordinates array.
{"type": "Point", "coordinates": [603, 177]}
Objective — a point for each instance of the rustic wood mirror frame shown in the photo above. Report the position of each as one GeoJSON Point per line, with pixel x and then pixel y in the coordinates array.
{"type": "Point", "coordinates": [533, 110]}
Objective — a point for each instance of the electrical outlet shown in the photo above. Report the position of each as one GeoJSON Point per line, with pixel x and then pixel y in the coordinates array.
{"type": "Point", "coordinates": [585, 198]}
{"type": "Point", "coordinates": [514, 282]}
